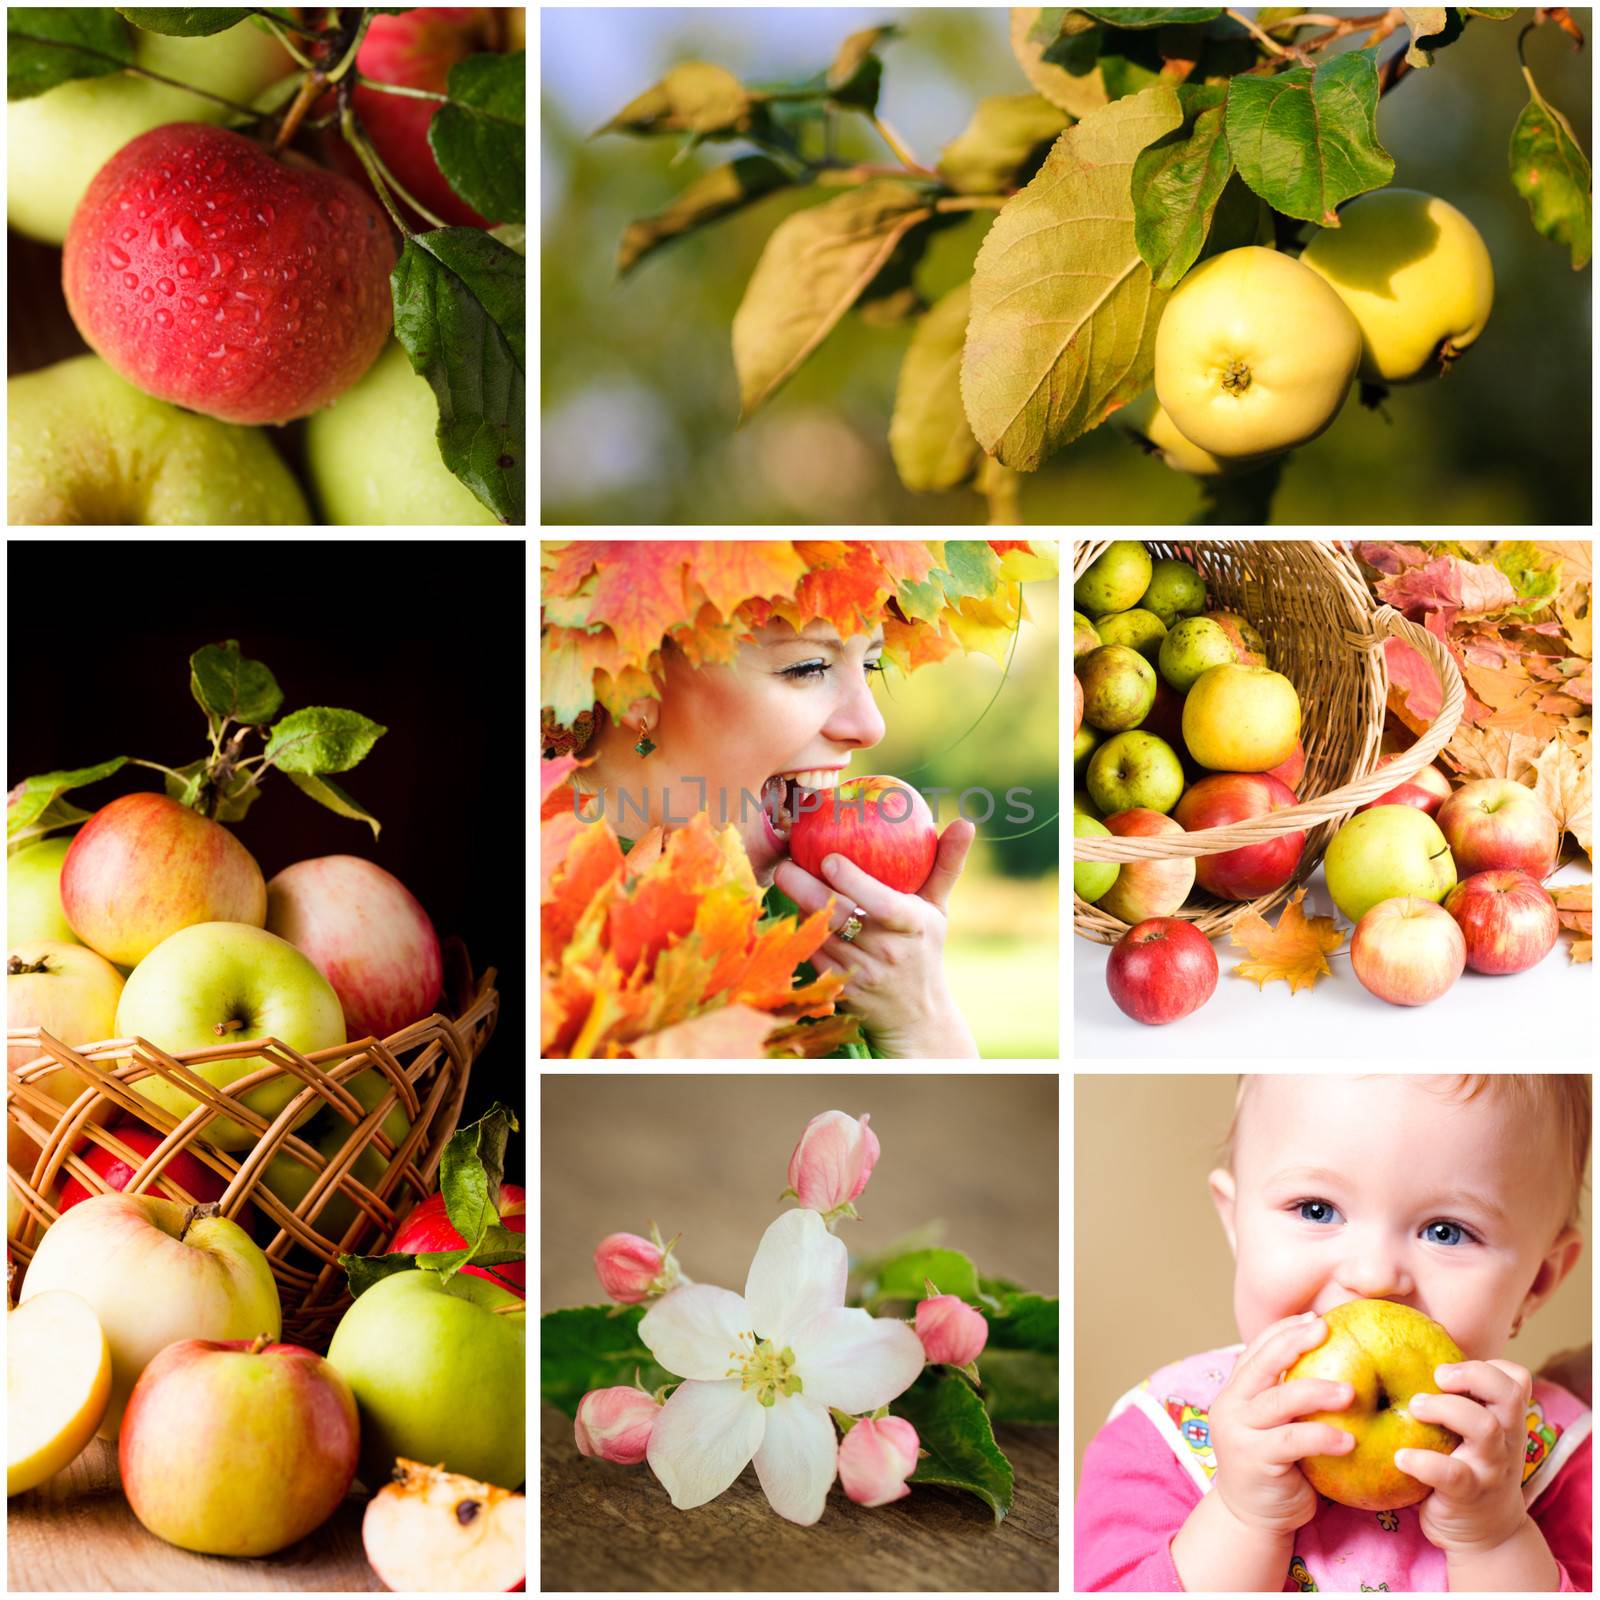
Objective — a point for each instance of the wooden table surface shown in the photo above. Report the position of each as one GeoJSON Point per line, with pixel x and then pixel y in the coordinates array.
{"type": "Point", "coordinates": [707, 1154]}
{"type": "Point", "coordinates": [77, 1533]}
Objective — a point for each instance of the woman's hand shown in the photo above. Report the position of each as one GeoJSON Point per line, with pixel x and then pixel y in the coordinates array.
{"type": "Point", "coordinates": [895, 965]}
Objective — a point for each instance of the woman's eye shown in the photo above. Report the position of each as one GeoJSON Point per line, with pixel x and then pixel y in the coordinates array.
{"type": "Point", "coordinates": [816, 669]}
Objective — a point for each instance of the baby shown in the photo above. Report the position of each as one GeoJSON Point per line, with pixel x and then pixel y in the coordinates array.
{"type": "Point", "coordinates": [1454, 1195]}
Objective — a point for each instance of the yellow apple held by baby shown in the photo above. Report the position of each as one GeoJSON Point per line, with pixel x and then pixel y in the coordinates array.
{"type": "Point", "coordinates": [1387, 1353]}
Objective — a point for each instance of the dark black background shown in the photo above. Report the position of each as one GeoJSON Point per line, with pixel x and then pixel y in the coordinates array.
{"type": "Point", "coordinates": [425, 638]}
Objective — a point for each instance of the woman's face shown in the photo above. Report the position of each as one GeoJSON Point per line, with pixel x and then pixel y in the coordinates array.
{"type": "Point", "coordinates": [789, 702]}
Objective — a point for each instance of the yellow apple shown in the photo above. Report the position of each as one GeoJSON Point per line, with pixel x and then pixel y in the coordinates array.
{"type": "Point", "coordinates": [1241, 719]}
{"type": "Point", "coordinates": [58, 1384]}
{"type": "Point", "coordinates": [1254, 354]}
{"type": "Point", "coordinates": [1416, 276]}
{"type": "Point", "coordinates": [1386, 1352]}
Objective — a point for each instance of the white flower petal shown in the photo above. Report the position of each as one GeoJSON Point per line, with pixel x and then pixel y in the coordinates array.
{"type": "Point", "coordinates": [703, 1439]}
{"type": "Point", "coordinates": [847, 1359]}
{"type": "Point", "coordinates": [797, 1459]}
{"type": "Point", "coordinates": [693, 1331]}
{"type": "Point", "coordinates": [799, 1270]}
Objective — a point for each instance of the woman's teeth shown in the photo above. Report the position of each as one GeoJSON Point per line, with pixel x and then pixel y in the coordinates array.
{"type": "Point", "coordinates": [781, 792]}
{"type": "Point", "coordinates": [816, 778]}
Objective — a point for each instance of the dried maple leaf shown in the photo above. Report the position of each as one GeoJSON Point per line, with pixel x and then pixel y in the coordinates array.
{"type": "Point", "coordinates": [1563, 784]}
{"type": "Point", "coordinates": [1296, 950]}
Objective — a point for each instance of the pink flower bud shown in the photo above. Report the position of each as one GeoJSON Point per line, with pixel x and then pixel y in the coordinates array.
{"type": "Point", "coordinates": [831, 1164]}
{"type": "Point", "coordinates": [875, 1459]}
{"type": "Point", "coordinates": [950, 1330]}
{"type": "Point", "coordinates": [616, 1424]}
{"type": "Point", "coordinates": [627, 1266]}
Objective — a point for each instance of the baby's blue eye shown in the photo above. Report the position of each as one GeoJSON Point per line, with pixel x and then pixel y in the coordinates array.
{"type": "Point", "coordinates": [1327, 1212]}
{"type": "Point", "coordinates": [1461, 1233]}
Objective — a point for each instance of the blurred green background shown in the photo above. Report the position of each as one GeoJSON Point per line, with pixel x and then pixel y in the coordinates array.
{"type": "Point", "coordinates": [639, 397]}
{"type": "Point", "coordinates": [991, 735]}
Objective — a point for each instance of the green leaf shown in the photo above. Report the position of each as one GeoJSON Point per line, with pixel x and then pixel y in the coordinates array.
{"type": "Point", "coordinates": [1177, 182]}
{"type": "Point", "coordinates": [1003, 144]}
{"type": "Point", "coordinates": [712, 196]}
{"type": "Point", "coordinates": [1026, 1322]}
{"type": "Point", "coordinates": [590, 1347]}
{"type": "Point", "coordinates": [1020, 1385]}
{"type": "Point", "coordinates": [1064, 311]}
{"type": "Point", "coordinates": [1305, 140]}
{"type": "Point", "coordinates": [853, 78]}
{"type": "Point", "coordinates": [906, 1277]}
{"type": "Point", "coordinates": [1550, 171]}
{"type": "Point", "coordinates": [954, 1429]}
{"type": "Point", "coordinates": [813, 268]}
{"type": "Point", "coordinates": [1151, 16]}
{"type": "Point", "coordinates": [929, 436]}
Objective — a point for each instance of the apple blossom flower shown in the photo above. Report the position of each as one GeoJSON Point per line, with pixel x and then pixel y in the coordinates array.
{"type": "Point", "coordinates": [762, 1370]}
{"type": "Point", "coordinates": [832, 1162]}
{"type": "Point", "coordinates": [875, 1459]}
{"type": "Point", "coordinates": [615, 1424]}
{"type": "Point", "coordinates": [631, 1269]}
{"type": "Point", "coordinates": [951, 1332]}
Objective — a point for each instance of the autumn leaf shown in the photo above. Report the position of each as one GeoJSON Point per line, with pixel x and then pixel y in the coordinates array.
{"type": "Point", "coordinates": [1295, 951]}
{"type": "Point", "coordinates": [1564, 786]}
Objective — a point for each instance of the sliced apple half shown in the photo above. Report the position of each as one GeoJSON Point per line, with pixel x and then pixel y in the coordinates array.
{"type": "Point", "coordinates": [58, 1384]}
{"type": "Point", "coordinates": [434, 1532]}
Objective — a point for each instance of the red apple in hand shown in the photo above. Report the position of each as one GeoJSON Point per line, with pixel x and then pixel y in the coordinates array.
{"type": "Point", "coordinates": [1508, 920]}
{"type": "Point", "coordinates": [209, 273]}
{"type": "Point", "coordinates": [1407, 951]}
{"type": "Point", "coordinates": [1251, 870]}
{"type": "Point", "coordinates": [1494, 824]}
{"type": "Point", "coordinates": [1162, 970]}
{"type": "Point", "coordinates": [238, 1447]}
{"type": "Point", "coordinates": [185, 1169]}
{"type": "Point", "coordinates": [878, 822]}
{"type": "Point", "coordinates": [364, 931]}
{"type": "Point", "coordinates": [428, 1227]}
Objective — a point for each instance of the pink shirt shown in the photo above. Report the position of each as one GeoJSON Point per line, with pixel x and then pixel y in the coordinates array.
{"type": "Point", "coordinates": [1146, 1469]}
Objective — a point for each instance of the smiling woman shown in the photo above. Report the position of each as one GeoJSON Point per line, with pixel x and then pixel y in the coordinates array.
{"type": "Point", "coordinates": [741, 712]}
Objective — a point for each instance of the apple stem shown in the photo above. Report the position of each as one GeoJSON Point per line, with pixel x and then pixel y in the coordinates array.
{"type": "Point", "coordinates": [232, 1025]}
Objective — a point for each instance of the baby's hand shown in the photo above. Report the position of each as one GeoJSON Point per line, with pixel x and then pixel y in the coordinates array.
{"type": "Point", "coordinates": [1256, 1439]}
{"type": "Point", "coordinates": [1476, 1504]}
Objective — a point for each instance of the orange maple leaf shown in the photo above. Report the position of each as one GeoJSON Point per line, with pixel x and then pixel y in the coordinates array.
{"type": "Point", "coordinates": [1296, 950]}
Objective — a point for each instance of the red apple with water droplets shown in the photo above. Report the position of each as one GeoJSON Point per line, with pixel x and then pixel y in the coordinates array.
{"type": "Point", "coordinates": [211, 274]}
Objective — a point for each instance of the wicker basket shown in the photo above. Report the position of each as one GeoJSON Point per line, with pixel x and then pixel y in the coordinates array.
{"type": "Point", "coordinates": [1312, 606]}
{"type": "Point", "coordinates": [426, 1064]}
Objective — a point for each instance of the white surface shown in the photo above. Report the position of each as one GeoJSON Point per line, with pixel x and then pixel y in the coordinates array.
{"type": "Point", "coordinates": [1533, 1018]}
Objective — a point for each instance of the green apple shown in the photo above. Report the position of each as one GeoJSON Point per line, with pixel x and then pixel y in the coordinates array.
{"type": "Point", "coordinates": [1135, 770]}
{"type": "Point", "coordinates": [33, 893]}
{"type": "Point", "coordinates": [290, 1179]}
{"type": "Point", "coordinates": [1114, 580]}
{"type": "Point", "coordinates": [1119, 687]}
{"type": "Point", "coordinates": [373, 455]}
{"type": "Point", "coordinates": [83, 446]}
{"type": "Point", "coordinates": [220, 980]}
{"type": "Point", "coordinates": [1175, 591]}
{"type": "Point", "coordinates": [154, 1271]}
{"type": "Point", "coordinates": [1386, 1352]}
{"type": "Point", "coordinates": [1091, 879]}
{"type": "Point", "coordinates": [1387, 852]}
{"type": "Point", "coordinates": [1083, 805]}
{"type": "Point", "coordinates": [58, 140]}
{"type": "Point", "coordinates": [1083, 743]}
{"type": "Point", "coordinates": [436, 1366]}
{"type": "Point", "coordinates": [1194, 645]}
{"type": "Point", "coordinates": [67, 990]}
{"type": "Point", "coordinates": [58, 1385]}
{"type": "Point", "coordinates": [1084, 637]}
{"type": "Point", "coordinates": [1139, 629]}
